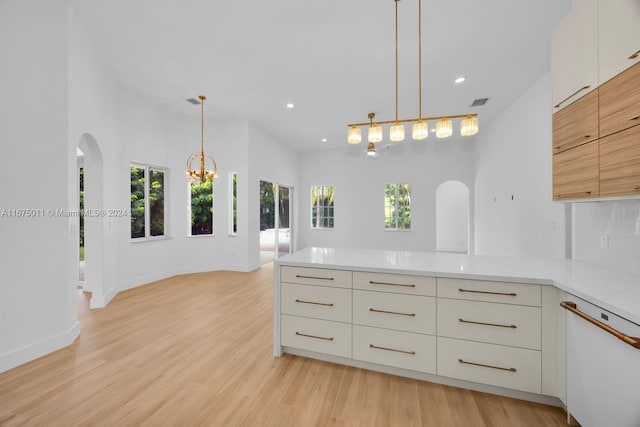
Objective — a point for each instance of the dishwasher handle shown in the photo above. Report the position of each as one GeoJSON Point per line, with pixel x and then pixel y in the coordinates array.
{"type": "Point", "coordinates": [632, 341]}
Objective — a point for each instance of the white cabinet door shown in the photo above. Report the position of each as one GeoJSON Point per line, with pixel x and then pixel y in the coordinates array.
{"type": "Point", "coordinates": [618, 36]}
{"type": "Point", "coordinates": [574, 54]}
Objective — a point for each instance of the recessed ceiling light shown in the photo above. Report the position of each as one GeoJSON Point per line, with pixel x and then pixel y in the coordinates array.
{"type": "Point", "coordinates": [459, 80]}
{"type": "Point", "coordinates": [290, 105]}
{"type": "Point", "coordinates": [324, 139]}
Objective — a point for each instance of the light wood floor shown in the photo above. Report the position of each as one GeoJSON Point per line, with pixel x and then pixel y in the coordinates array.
{"type": "Point", "coordinates": [197, 350]}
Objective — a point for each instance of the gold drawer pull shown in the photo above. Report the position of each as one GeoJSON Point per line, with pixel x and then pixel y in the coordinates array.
{"type": "Point", "coordinates": [572, 307]}
{"type": "Point", "coordinates": [509, 294]}
{"type": "Point", "coordinates": [487, 366]}
{"type": "Point", "coordinates": [635, 118]}
{"type": "Point", "coordinates": [573, 195]}
{"type": "Point", "coordinates": [488, 324]}
{"type": "Point", "coordinates": [314, 336]}
{"type": "Point", "coordinates": [392, 312]}
{"type": "Point", "coordinates": [635, 54]}
{"type": "Point", "coordinates": [392, 349]}
{"type": "Point", "coordinates": [313, 302]}
{"type": "Point", "coordinates": [574, 93]}
{"type": "Point", "coordinates": [371, 282]}
{"type": "Point", "coordinates": [313, 277]}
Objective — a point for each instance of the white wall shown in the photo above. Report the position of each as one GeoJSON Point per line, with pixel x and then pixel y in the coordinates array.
{"type": "Point", "coordinates": [620, 222]}
{"type": "Point", "coordinates": [452, 217]}
{"type": "Point", "coordinates": [359, 192]}
{"type": "Point", "coordinates": [37, 287]}
{"type": "Point", "coordinates": [514, 211]}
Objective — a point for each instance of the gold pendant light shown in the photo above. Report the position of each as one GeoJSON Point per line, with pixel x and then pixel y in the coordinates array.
{"type": "Point", "coordinates": [200, 175]}
{"type": "Point", "coordinates": [420, 128]}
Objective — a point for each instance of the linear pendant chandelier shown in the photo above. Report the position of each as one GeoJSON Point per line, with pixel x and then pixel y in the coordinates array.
{"type": "Point", "coordinates": [420, 128]}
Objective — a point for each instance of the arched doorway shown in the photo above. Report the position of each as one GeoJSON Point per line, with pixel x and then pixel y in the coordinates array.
{"type": "Point", "coordinates": [452, 217]}
{"type": "Point", "coordinates": [93, 236]}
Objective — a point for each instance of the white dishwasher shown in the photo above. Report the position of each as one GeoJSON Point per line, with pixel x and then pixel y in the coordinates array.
{"type": "Point", "coordinates": [603, 366]}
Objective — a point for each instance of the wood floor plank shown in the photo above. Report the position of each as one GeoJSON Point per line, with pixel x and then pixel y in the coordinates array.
{"type": "Point", "coordinates": [197, 350]}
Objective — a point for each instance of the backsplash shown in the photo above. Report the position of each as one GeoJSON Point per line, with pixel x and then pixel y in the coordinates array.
{"type": "Point", "coordinates": [615, 224]}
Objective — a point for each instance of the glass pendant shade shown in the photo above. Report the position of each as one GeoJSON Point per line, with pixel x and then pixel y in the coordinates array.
{"type": "Point", "coordinates": [444, 128]}
{"type": "Point", "coordinates": [375, 133]}
{"type": "Point", "coordinates": [354, 135]}
{"type": "Point", "coordinates": [469, 126]}
{"type": "Point", "coordinates": [420, 131]}
{"type": "Point", "coordinates": [396, 132]}
{"type": "Point", "coordinates": [371, 149]}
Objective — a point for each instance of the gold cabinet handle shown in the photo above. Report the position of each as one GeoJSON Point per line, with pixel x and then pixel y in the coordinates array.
{"type": "Point", "coordinates": [635, 118]}
{"type": "Point", "coordinates": [313, 277]}
{"type": "Point", "coordinates": [315, 303]}
{"type": "Point", "coordinates": [635, 54]}
{"type": "Point", "coordinates": [573, 195]}
{"type": "Point", "coordinates": [488, 324]}
{"type": "Point", "coordinates": [487, 366]}
{"type": "Point", "coordinates": [572, 307]}
{"type": "Point", "coordinates": [392, 312]}
{"type": "Point", "coordinates": [574, 93]}
{"type": "Point", "coordinates": [371, 282]}
{"type": "Point", "coordinates": [392, 349]}
{"type": "Point", "coordinates": [508, 294]}
{"type": "Point", "coordinates": [314, 336]}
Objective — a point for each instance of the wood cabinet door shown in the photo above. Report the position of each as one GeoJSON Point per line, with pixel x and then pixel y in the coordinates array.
{"type": "Point", "coordinates": [576, 124]}
{"type": "Point", "coordinates": [618, 37]}
{"type": "Point", "coordinates": [575, 173]}
{"type": "Point", "coordinates": [620, 163]}
{"type": "Point", "coordinates": [620, 102]}
{"type": "Point", "coordinates": [574, 54]}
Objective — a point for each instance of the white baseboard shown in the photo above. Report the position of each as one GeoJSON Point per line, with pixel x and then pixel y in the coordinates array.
{"type": "Point", "coordinates": [33, 351]}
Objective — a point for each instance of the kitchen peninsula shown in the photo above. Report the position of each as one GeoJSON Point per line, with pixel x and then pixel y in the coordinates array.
{"type": "Point", "coordinates": [486, 323]}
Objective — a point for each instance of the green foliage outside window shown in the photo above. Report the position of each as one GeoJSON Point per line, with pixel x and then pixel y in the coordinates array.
{"type": "Point", "coordinates": [137, 202]}
{"type": "Point", "coordinates": [397, 206]}
{"type": "Point", "coordinates": [322, 209]}
{"type": "Point", "coordinates": [156, 202]}
{"type": "Point", "coordinates": [202, 208]}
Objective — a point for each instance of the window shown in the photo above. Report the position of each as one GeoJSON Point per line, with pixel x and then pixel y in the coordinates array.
{"type": "Point", "coordinates": [397, 207]}
{"type": "Point", "coordinates": [233, 223]}
{"type": "Point", "coordinates": [202, 208]}
{"type": "Point", "coordinates": [321, 206]}
{"type": "Point", "coordinates": [147, 201]}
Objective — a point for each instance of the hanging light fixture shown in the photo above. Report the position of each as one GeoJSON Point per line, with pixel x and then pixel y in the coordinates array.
{"type": "Point", "coordinates": [375, 131]}
{"type": "Point", "coordinates": [396, 132]}
{"type": "Point", "coordinates": [200, 175]}
{"type": "Point", "coordinates": [420, 128]}
{"type": "Point", "coordinates": [371, 149]}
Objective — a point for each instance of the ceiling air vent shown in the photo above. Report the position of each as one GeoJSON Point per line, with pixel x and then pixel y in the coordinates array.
{"type": "Point", "coordinates": [479, 102]}
{"type": "Point", "coordinates": [193, 101]}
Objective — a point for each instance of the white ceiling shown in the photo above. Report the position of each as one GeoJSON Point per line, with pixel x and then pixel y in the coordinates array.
{"type": "Point", "coordinates": [334, 59]}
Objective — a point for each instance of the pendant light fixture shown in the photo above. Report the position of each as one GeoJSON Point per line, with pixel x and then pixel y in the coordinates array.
{"type": "Point", "coordinates": [420, 129]}
{"type": "Point", "coordinates": [200, 175]}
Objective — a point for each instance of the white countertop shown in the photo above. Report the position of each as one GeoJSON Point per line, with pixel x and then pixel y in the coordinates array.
{"type": "Point", "coordinates": [615, 291]}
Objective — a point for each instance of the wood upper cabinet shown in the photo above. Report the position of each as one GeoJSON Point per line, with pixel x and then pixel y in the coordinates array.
{"type": "Point", "coordinates": [620, 163]}
{"type": "Point", "coordinates": [576, 124]}
{"type": "Point", "coordinates": [618, 36]}
{"type": "Point", "coordinates": [620, 101]}
{"type": "Point", "coordinates": [574, 54]}
{"type": "Point", "coordinates": [575, 173]}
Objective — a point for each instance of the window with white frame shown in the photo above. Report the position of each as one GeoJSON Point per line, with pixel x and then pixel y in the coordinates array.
{"type": "Point", "coordinates": [201, 208]}
{"type": "Point", "coordinates": [147, 201]}
{"type": "Point", "coordinates": [397, 207]}
{"type": "Point", "coordinates": [322, 213]}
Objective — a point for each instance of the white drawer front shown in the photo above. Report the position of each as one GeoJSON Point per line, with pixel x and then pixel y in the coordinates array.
{"type": "Point", "coordinates": [319, 302]}
{"type": "Point", "coordinates": [412, 313]}
{"type": "Point", "coordinates": [393, 348]}
{"type": "Point", "coordinates": [321, 336]}
{"type": "Point", "coordinates": [513, 325]}
{"type": "Point", "coordinates": [508, 367]}
{"type": "Point", "coordinates": [482, 290]}
{"type": "Point", "coordinates": [399, 283]}
{"type": "Point", "coordinates": [316, 276]}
